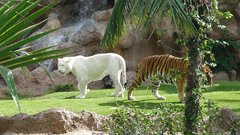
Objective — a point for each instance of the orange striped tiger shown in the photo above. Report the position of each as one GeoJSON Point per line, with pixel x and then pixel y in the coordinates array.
{"type": "Point", "coordinates": [160, 68]}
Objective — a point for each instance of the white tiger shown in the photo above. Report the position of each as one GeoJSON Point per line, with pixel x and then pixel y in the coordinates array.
{"type": "Point", "coordinates": [92, 68]}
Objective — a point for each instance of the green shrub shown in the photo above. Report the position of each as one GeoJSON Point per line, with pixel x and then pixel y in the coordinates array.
{"type": "Point", "coordinates": [8, 95]}
{"type": "Point", "coordinates": [64, 87]}
{"type": "Point", "coordinates": [166, 118]}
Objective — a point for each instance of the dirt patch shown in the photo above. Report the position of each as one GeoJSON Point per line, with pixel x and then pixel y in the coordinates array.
{"type": "Point", "coordinates": [53, 121]}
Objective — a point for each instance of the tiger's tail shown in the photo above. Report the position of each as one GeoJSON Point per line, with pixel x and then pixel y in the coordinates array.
{"type": "Point", "coordinates": [123, 67]}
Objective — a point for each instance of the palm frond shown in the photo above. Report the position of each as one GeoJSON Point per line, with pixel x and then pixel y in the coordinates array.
{"type": "Point", "coordinates": [116, 25]}
{"type": "Point", "coordinates": [7, 40]}
{"type": "Point", "coordinates": [16, 22]}
{"type": "Point", "coordinates": [6, 6]}
{"type": "Point", "coordinates": [32, 57]}
{"type": "Point", "coordinates": [26, 70]}
{"type": "Point", "coordinates": [8, 77]}
{"type": "Point", "coordinates": [8, 49]}
{"type": "Point", "coordinates": [142, 14]}
{"type": "Point", "coordinates": [184, 20]}
{"type": "Point", "coordinates": [19, 16]}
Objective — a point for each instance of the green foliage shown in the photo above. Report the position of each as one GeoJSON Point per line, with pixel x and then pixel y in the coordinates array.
{"type": "Point", "coordinates": [194, 18]}
{"type": "Point", "coordinates": [116, 26]}
{"type": "Point", "coordinates": [64, 87]}
{"type": "Point", "coordinates": [224, 56]}
{"type": "Point", "coordinates": [166, 118]}
{"type": "Point", "coordinates": [142, 15]}
{"type": "Point", "coordinates": [214, 124]}
{"type": "Point", "coordinates": [212, 114]}
{"type": "Point", "coordinates": [175, 74]}
{"type": "Point", "coordinates": [8, 77]}
{"type": "Point", "coordinates": [220, 52]}
{"type": "Point", "coordinates": [16, 22]}
{"type": "Point", "coordinates": [212, 50]}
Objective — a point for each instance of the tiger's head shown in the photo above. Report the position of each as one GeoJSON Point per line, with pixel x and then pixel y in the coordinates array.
{"type": "Point", "coordinates": [208, 72]}
{"type": "Point", "coordinates": [64, 65]}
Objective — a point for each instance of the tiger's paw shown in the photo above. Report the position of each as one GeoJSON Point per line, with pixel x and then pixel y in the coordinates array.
{"type": "Point", "coordinates": [87, 90]}
{"type": "Point", "coordinates": [161, 98]}
{"type": "Point", "coordinates": [113, 94]}
{"type": "Point", "coordinates": [80, 97]}
{"type": "Point", "coordinates": [131, 98]}
{"type": "Point", "coordinates": [118, 94]}
{"type": "Point", "coordinates": [121, 95]}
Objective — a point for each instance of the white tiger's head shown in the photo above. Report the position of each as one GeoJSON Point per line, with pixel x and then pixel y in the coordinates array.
{"type": "Point", "coordinates": [64, 65]}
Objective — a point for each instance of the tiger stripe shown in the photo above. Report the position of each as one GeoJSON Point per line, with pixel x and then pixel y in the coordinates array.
{"type": "Point", "coordinates": [159, 66]}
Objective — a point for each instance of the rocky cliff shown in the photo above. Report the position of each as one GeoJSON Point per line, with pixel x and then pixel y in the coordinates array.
{"type": "Point", "coordinates": [82, 25]}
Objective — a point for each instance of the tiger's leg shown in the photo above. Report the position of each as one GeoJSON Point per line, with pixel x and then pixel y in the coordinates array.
{"type": "Point", "coordinates": [134, 85]}
{"type": "Point", "coordinates": [180, 84]}
{"type": "Point", "coordinates": [136, 82]}
{"type": "Point", "coordinates": [155, 85]}
{"type": "Point", "coordinates": [118, 86]}
{"type": "Point", "coordinates": [130, 95]}
{"type": "Point", "coordinates": [82, 86]}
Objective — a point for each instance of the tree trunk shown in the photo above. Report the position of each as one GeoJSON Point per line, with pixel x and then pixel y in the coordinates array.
{"type": "Point", "coordinates": [192, 106]}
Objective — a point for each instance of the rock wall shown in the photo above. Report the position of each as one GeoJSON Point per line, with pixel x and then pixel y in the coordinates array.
{"type": "Point", "coordinates": [82, 29]}
{"type": "Point", "coordinates": [82, 25]}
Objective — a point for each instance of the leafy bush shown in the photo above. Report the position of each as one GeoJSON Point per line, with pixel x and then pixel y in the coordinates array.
{"type": "Point", "coordinates": [224, 55]}
{"type": "Point", "coordinates": [167, 118]}
{"type": "Point", "coordinates": [64, 87]}
{"type": "Point", "coordinates": [222, 52]}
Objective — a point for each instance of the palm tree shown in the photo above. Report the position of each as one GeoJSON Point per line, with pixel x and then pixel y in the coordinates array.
{"type": "Point", "coordinates": [141, 14]}
{"type": "Point", "coordinates": [16, 22]}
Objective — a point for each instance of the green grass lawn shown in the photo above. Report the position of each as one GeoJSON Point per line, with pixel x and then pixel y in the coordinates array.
{"type": "Point", "coordinates": [99, 101]}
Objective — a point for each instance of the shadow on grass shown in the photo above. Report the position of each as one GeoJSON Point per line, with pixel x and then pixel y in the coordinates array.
{"type": "Point", "coordinates": [141, 104]}
{"type": "Point", "coordinates": [88, 96]}
{"type": "Point", "coordinates": [225, 86]}
{"type": "Point", "coordinates": [70, 97]}
{"type": "Point", "coordinates": [229, 100]}
{"type": "Point", "coordinates": [236, 111]}
{"type": "Point", "coordinates": [166, 88]}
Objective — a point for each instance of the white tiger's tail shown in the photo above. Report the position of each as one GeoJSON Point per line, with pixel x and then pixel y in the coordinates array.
{"type": "Point", "coordinates": [123, 67]}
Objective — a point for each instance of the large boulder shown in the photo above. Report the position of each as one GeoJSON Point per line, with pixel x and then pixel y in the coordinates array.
{"type": "Point", "coordinates": [221, 76]}
{"type": "Point", "coordinates": [82, 38]}
{"type": "Point", "coordinates": [229, 120]}
{"type": "Point", "coordinates": [231, 76]}
{"type": "Point", "coordinates": [226, 122]}
{"type": "Point", "coordinates": [53, 121]}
